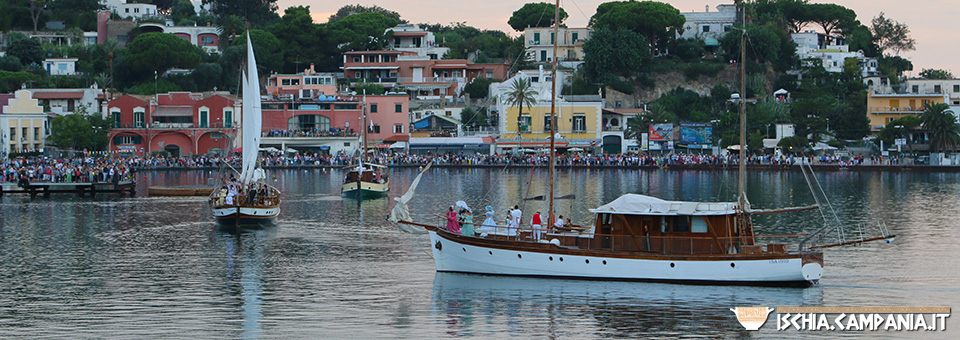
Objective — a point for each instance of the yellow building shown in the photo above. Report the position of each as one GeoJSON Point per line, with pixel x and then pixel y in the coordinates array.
{"type": "Point", "coordinates": [23, 124]}
{"type": "Point", "coordinates": [579, 120]}
{"type": "Point", "coordinates": [885, 108]}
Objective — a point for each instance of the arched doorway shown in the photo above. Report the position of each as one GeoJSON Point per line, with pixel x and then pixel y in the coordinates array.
{"type": "Point", "coordinates": [172, 149]}
{"type": "Point", "coordinates": [612, 144]}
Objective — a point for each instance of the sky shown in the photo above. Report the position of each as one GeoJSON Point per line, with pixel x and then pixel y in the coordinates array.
{"type": "Point", "coordinates": [929, 20]}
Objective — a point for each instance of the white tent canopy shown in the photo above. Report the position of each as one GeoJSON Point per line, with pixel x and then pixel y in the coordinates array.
{"type": "Point", "coordinates": [634, 204]}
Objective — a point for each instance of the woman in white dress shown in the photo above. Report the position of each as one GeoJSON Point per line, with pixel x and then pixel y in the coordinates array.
{"type": "Point", "coordinates": [489, 225]}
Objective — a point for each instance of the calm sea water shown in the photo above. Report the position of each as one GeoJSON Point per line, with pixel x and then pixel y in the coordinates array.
{"type": "Point", "coordinates": [157, 267]}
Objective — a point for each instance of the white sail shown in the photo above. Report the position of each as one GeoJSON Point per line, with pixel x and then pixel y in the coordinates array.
{"type": "Point", "coordinates": [251, 116]}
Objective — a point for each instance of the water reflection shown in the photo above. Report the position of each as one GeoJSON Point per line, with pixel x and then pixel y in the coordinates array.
{"type": "Point", "coordinates": [244, 252]}
{"type": "Point", "coordinates": [481, 305]}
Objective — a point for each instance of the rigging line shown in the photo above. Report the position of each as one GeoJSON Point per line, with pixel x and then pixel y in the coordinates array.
{"type": "Point", "coordinates": [581, 10]}
{"type": "Point", "coordinates": [829, 205]}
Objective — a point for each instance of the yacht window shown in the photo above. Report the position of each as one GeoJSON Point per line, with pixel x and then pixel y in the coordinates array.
{"type": "Point", "coordinates": [698, 225]}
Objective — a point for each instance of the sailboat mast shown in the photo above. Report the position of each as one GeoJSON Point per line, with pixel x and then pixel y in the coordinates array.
{"type": "Point", "coordinates": [553, 108]}
{"type": "Point", "coordinates": [743, 112]}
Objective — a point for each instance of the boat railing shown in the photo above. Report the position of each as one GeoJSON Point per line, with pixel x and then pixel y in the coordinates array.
{"type": "Point", "coordinates": [259, 201]}
{"type": "Point", "coordinates": [669, 244]}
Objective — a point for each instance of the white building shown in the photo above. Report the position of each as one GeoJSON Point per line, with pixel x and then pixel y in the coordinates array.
{"type": "Point", "coordinates": [539, 44]}
{"type": "Point", "coordinates": [833, 52]}
{"type": "Point", "coordinates": [68, 101]}
{"type": "Point", "coordinates": [60, 66]}
{"type": "Point", "coordinates": [412, 38]}
{"type": "Point", "coordinates": [207, 37]}
{"type": "Point", "coordinates": [709, 26]}
{"type": "Point", "coordinates": [130, 10]}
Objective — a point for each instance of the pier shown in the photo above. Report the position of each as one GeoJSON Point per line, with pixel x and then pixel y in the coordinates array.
{"type": "Point", "coordinates": [81, 189]}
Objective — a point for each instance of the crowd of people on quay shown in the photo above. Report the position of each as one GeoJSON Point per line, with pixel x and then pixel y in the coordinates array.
{"type": "Point", "coordinates": [65, 170]}
{"type": "Point", "coordinates": [105, 168]}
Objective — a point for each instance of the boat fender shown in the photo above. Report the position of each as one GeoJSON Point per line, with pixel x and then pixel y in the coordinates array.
{"type": "Point", "coordinates": [555, 242]}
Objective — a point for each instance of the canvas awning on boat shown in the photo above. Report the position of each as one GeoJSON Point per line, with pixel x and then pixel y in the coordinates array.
{"type": "Point", "coordinates": [634, 204]}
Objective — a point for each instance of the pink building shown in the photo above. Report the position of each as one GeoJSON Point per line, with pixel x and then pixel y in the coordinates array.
{"type": "Point", "coordinates": [422, 76]}
{"type": "Point", "coordinates": [180, 123]}
{"type": "Point", "coordinates": [302, 86]}
{"type": "Point", "coordinates": [336, 116]}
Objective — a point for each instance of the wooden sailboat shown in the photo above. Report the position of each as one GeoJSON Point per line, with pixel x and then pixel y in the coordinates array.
{"type": "Point", "coordinates": [638, 237]}
{"type": "Point", "coordinates": [245, 198]}
{"type": "Point", "coordinates": [366, 179]}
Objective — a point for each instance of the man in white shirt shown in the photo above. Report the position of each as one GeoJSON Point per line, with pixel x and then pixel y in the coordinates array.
{"type": "Point", "coordinates": [515, 217]}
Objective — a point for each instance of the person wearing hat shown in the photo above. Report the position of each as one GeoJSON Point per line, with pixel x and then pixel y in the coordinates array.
{"type": "Point", "coordinates": [489, 225]}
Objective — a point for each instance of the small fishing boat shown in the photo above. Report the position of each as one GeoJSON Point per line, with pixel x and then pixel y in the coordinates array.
{"type": "Point", "coordinates": [244, 198]}
{"type": "Point", "coordinates": [366, 179]}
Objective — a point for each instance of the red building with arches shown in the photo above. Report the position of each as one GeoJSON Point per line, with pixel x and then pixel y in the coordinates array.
{"type": "Point", "coordinates": [180, 123]}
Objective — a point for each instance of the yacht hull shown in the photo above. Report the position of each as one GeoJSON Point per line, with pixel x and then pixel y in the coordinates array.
{"type": "Point", "coordinates": [246, 216]}
{"type": "Point", "coordinates": [365, 189]}
{"type": "Point", "coordinates": [453, 253]}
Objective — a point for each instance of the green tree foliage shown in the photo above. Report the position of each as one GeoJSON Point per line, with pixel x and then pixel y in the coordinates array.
{"type": "Point", "coordinates": [479, 87]}
{"type": "Point", "coordinates": [612, 53]}
{"type": "Point", "coordinates": [688, 50]}
{"type": "Point", "coordinates": [688, 106]}
{"type": "Point", "coordinates": [207, 76]}
{"type": "Point", "coordinates": [164, 6]}
{"type": "Point", "coordinates": [942, 127]}
{"type": "Point", "coordinates": [860, 38]}
{"type": "Point", "coordinates": [260, 13]}
{"type": "Point", "coordinates": [159, 52]}
{"type": "Point", "coordinates": [10, 63]}
{"type": "Point", "coordinates": [28, 50]}
{"type": "Point", "coordinates": [349, 10]}
{"type": "Point", "coordinates": [11, 81]}
{"type": "Point", "coordinates": [932, 73]}
{"type": "Point", "coordinates": [899, 128]}
{"type": "Point", "coordinates": [892, 36]}
{"type": "Point", "coordinates": [474, 117]}
{"type": "Point", "coordinates": [765, 44]}
{"type": "Point", "coordinates": [638, 125]}
{"type": "Point", "coordinates": [486, 45]}
{"type": "Point", "coordinates": [832, 17]}
{"type": "Point", "coordinates": [303, 41]}
{"type": "Point", "coordinates": [520, 94]}
{"type": "Point", "coordinates": [535, 14]}
{"type": "Point", "coordinates": [79, 131]}
{"type": "Point", "coordinates": [656, 21]}
{"type": "Point", "coordinates": [794, 144]}
{"type": "Point", "coordinates": [361, 31]}
{"type": "Point", "coordinates": [374, 89]}
{"type": "Point", "coordinates": [580, 85]}
{"type": "Point", "coordinates": [894, 66]}
{"type": "Point", "coordinates": [152, 87]}
{"type": "Point", "coordinates": [266, 49]}
{"type": "Point", "coordinates": [182, 10]}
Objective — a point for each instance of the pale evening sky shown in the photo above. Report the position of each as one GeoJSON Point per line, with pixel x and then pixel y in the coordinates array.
{"type": "Point", "coordinates": [929, 20]}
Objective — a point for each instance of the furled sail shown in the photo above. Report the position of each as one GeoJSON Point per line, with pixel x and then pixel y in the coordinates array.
{"type": "Point", "coordinates": [400, 211]}
{"type": "Point", "coordinates": [251, 116]}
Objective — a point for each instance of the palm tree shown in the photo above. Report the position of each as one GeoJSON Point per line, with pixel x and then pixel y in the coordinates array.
{"type": "Point", "coordinates": [521, 93]}
{"type": "Point", "coordinates": [941, 125]}
{"type": "Point", "coordinates": [640, 124]}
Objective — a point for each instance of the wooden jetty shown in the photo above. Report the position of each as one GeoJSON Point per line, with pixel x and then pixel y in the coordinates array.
{"type": "Point", "coordinates": [82, 189]}
{"type": "Point", "coordinates": [186, 190]}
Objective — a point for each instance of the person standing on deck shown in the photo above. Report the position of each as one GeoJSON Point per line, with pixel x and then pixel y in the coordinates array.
{"type": "Point", "coordinates": [536, 224]}
{"type": "Point", "coordinates": [452, 225]}
{"type": "Point", "coordinates": [515, 217]}
{"type": "Point", "coordinates": [466, 229]}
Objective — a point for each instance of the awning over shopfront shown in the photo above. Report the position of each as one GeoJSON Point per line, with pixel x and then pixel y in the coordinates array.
{"type": "Point", "coordinates": [173, 111]}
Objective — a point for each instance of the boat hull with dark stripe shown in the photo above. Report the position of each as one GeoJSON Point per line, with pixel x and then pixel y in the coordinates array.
{"type": "Point", "coordinates": [246, 216]}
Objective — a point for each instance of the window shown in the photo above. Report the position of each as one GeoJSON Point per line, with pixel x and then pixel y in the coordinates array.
{"type": "Point", "coordinates": [127, 140]}
{"type": "Point", "coordinates": [915, 89]}
{"type": "Point", "coordinates": [204, 118]}
{"type": "Point", "coordinates": [448, 113]}
{"type": "Point", "coordinates": [36, 133]}
{"type": "Point", "coordinates": [13, 133]}
{"type": "Point", "coordinates": [374, 128]}
{"type": "Point", "coordinates": [490, 75]}
{"type": "Point", "coordinates": [344, 106]}
{"type": "Point", "coordinates": [543, 55]}
{"type": "Point", "coordinates": [936, 88]}
{"type": "Point", "coordinates": [698, 225]}
{"type": "Point", "coordinates": [206, 40]}
{"type": "Point", "coordinates": [346, 143]}
{"type": "Point", "coordinates": [373, 107]}
{"type": "Point", "coordinates": [956, 88]}
{"type": "Point", "coordinates": [398, 108]}
{"type": "Point", "coordinates": [574, 36]}
{"type": "Point", "coordinates": [536, 38]}
{"type": "Point", "coordinates": [23, 135]}
{"type": "Point", "coordinates": [579, 123]}
{"type": "Point", "coordinates": [116, 118]}
{"type": "Point", "coordinates": [126, 10]}
{"type": "Point", "coordinates": [675, 224]}
{"type": "Point", "coordinates": [551, 37]}
{"type": "Point", "coordinates": [228, 118]}
{"type": "Point", "coordinates": [546, 123]}
{"type": "Point", "coordinates": [706, 28]}
{"type": "Point", "coordinates": [727, 28]}
{"type": "Point", "coordinates": [138, 119]}
{"type": "Point", "coordinates": [356, 59]}
{"type": "Point", "coordinates": [136, 10]}
{"type": "Point", "coordinates": [894, 103]}
{"type": "Point", "coordinates": [398, 128]}
{"type": "Point", "coordinates": [525, 123]}
{"type": "Point", "coordinates": [62, 66]}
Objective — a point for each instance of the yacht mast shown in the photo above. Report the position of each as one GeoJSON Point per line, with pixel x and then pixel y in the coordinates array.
{"type": "Point", "coordinates": [553, 108]}
{"type": "Point", "coordinates": [743, 112]}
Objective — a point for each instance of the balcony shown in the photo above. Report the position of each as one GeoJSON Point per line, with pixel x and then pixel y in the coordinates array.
{"type": "Point", "coordinates": [897, 110]}
{"type": "Point", "coordinates": [373, 80]}
{"type": "Point", "coordinates": [158, 125]}
{"type": "Point", "coordinates": [412, 80]}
